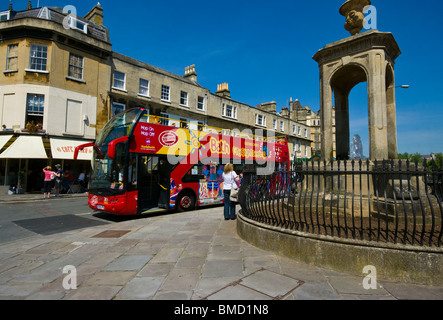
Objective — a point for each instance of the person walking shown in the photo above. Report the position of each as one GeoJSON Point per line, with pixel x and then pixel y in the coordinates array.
{"type": "Point", "coordinates": [47, 184]}
{"type": "Point", "coordinates": [230, 180]}
{"type": "Point", "coordinates": [58, 179]}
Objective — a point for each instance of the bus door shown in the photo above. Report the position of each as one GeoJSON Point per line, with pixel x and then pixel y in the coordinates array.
{"type": "Point", "coordinates": [153, 184]}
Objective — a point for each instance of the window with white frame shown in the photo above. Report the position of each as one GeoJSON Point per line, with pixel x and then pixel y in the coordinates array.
{"type": "Point", "coordinates": [306, 133]}
{"type": "Point", "coordinates": [299, 131]}
{"type": "Point", "coordinates": [75, 66]}
{"type": "Point", "coordinates": [165, 94]}
{"type": "Point", "coordinates": [35, 107]}
{"type": "Point", "coordinates": [294, 128]}
{"type": "Point", "coordinates": [229, 111]}
{"type": "Point", "coordinates": [119, 80]}
{"type": "Point", "coordinates": [274, 124]}
{"type": "Point", "coordinates": [201, 103]}
{"type": "Point", "coordinates": [38, 57]}
{"type": "Point", "coordinates": [184, 98]}
{"type": "Point", "coordinates": [4, 15]}
{"type": "Point", "coordinates": [282, 126]}
{"type": "Point", "coordinates": [144, 88]}
{"type": "Point", "coordinates": [260, 120]}
{"type": "Point", "coordinates": [12, 57]}
{"type": "Point", "coordinates": [77, 24]}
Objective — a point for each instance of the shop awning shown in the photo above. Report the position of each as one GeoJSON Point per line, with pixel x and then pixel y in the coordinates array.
{"type": "Point", "coordinates": [64, 149]}
{"type": "Point", "coordinates": [3, 140]}
{"type": "Point", "coordinates": [25, 147]}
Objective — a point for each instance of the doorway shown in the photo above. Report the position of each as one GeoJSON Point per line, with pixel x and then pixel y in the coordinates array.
{"type": "Point", "coordinates": [153, 176]}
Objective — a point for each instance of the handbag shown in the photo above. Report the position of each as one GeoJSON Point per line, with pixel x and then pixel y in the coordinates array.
{"type": "Point", "coordinates": [234, 191]}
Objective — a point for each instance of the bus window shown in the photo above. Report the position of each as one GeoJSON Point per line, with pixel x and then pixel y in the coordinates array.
{"type": "Point", "coordinates": [194, 174]}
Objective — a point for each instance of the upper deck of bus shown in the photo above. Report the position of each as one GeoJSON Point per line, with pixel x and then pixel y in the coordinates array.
{"type": "Point", "coordinates": [155, 134]}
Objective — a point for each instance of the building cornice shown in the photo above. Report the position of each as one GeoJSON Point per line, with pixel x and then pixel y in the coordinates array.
{"type": "Point", "coordinates": [372, 39]}
{"type": "Point", "coordinates": [49, 30]}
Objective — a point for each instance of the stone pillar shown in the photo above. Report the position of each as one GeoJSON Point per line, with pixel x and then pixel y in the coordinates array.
{"type": "Point", "coordinates": [327, 147]}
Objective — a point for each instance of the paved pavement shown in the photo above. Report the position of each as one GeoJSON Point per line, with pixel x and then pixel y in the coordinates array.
{"type": "Point", "coordinates": [181, 256]}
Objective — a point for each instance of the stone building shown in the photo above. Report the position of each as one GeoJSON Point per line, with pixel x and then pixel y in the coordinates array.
{"type": "Point", "coordinates": [61, 83]}
{"type": "Point", "coordinates": [54, 71]}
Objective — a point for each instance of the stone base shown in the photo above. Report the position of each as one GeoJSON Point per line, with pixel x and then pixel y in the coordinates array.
{"type": "Point", "coordinates": [408, 264]}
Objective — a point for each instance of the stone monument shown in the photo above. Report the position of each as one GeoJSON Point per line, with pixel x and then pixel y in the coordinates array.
{"type": "Point", "coordinates": [356, 148]}
{"type": "Point", "coordinates": [364, 57]}
{"type": "Point", "coordinates": [353, 11]}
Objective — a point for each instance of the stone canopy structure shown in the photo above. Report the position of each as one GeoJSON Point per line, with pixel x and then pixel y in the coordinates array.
{"type": "Point", "coordinates": [366, 57]}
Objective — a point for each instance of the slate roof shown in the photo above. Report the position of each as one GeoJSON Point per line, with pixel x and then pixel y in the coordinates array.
{"type": "Point", "coordinates": [56, 14]}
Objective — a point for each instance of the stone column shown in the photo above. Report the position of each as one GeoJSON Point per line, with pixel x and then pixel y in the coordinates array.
{"type": "Point", "coordinates": [378, 125]}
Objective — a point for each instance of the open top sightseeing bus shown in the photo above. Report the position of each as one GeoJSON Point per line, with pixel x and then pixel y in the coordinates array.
{"type": "Point", "coordinates": [140, 166]}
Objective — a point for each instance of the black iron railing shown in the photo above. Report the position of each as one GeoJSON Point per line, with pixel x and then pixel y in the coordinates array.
{"type": "Point", "coordinates": [381, 201]}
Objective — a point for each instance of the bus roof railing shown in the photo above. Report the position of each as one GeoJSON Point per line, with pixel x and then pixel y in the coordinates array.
{"type": "Point", "coordinates": [209, 129]}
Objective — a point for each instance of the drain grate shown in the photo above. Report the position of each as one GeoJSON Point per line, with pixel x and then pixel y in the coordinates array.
{"type": "Point", "coordinates": [112, 234]}
{"type": "Point", "coordinates": [260, 285]}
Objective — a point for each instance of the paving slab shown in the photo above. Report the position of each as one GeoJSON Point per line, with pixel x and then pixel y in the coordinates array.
{"type": "Point", "coordinates": [238, 293]}
{"type": "Point", "coordinates": [223, 268]}
{"type": "Point", "coordinates": [128, 263]}
{"type": "Point", "coordinates": [271, 283]}
{"type": "Point", "coordinates": [141, 288]}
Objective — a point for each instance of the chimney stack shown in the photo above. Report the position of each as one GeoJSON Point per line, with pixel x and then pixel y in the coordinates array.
{"type": "Point", "coordinates": [95, 15]}
{"type": "Point", "coordinates": [190, 73]}
{"type": "Point", "coordinates": [269, 107]}
{"type": "Point", "coordinates": [223, 90]}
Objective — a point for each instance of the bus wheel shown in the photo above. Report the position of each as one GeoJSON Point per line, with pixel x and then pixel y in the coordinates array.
{"type": "Point", "coordinates": [186, 202]}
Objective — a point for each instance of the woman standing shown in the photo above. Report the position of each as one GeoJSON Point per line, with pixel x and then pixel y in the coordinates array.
{"type": "Point", "coordinates": [49, 175]}
{"type": "Point", "coordinates": [230, 179]}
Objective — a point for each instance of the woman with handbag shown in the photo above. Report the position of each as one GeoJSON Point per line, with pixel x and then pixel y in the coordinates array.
{"type": "Point", "coordinates": [230, 188]}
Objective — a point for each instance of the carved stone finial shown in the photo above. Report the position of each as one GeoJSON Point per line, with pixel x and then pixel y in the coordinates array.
{"type": "Point", "coordinates": [29, 7]}
{"type": "Point", "coordinates": [353, 11]}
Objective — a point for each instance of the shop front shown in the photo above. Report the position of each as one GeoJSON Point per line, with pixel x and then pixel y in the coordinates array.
{"type": "Point", "coordinates": [23, 157]}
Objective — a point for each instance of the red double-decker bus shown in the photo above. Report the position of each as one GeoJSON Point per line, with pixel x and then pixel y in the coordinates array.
{"type": "Point", "coordinates": [140, 166]}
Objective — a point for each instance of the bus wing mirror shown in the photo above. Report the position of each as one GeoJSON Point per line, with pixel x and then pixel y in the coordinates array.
{"type": "Point", "coordinates": [81, 147]}
{"type": "Point", "coordinates": [113, 143]}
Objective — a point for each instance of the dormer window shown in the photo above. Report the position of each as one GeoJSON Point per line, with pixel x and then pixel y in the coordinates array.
{"type": "Point", "coordinates": [4, 15]}
{"type": "Point", "coordinates": [77, 24]}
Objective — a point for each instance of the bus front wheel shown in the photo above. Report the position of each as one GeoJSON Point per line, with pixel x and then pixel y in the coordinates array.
{"type": "Point", "coordinates": [186, 202]}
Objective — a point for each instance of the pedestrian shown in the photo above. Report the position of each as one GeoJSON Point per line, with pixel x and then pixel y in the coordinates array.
{"type": "Point", "coordinates": [58, 179]}
{"type": "Point", "coordinates": [67, 180]}
{"type": "Point", "coordinates": [230, 180]}
{"type": "Point", "coordinates": [47, 184]}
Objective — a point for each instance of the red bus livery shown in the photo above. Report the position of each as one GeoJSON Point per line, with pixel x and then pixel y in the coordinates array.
{"type": "Point", "coordinates": [140, 166]}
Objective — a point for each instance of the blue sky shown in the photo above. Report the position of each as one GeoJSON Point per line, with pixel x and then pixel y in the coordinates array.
{"type": "Point", "coordinates": [264, 50]}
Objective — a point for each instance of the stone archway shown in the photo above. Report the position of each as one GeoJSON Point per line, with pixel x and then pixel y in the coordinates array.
{"type": "Point", "coordinates": [367, 57]}
{"type": "Point", "coordinates": [342, 83]}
